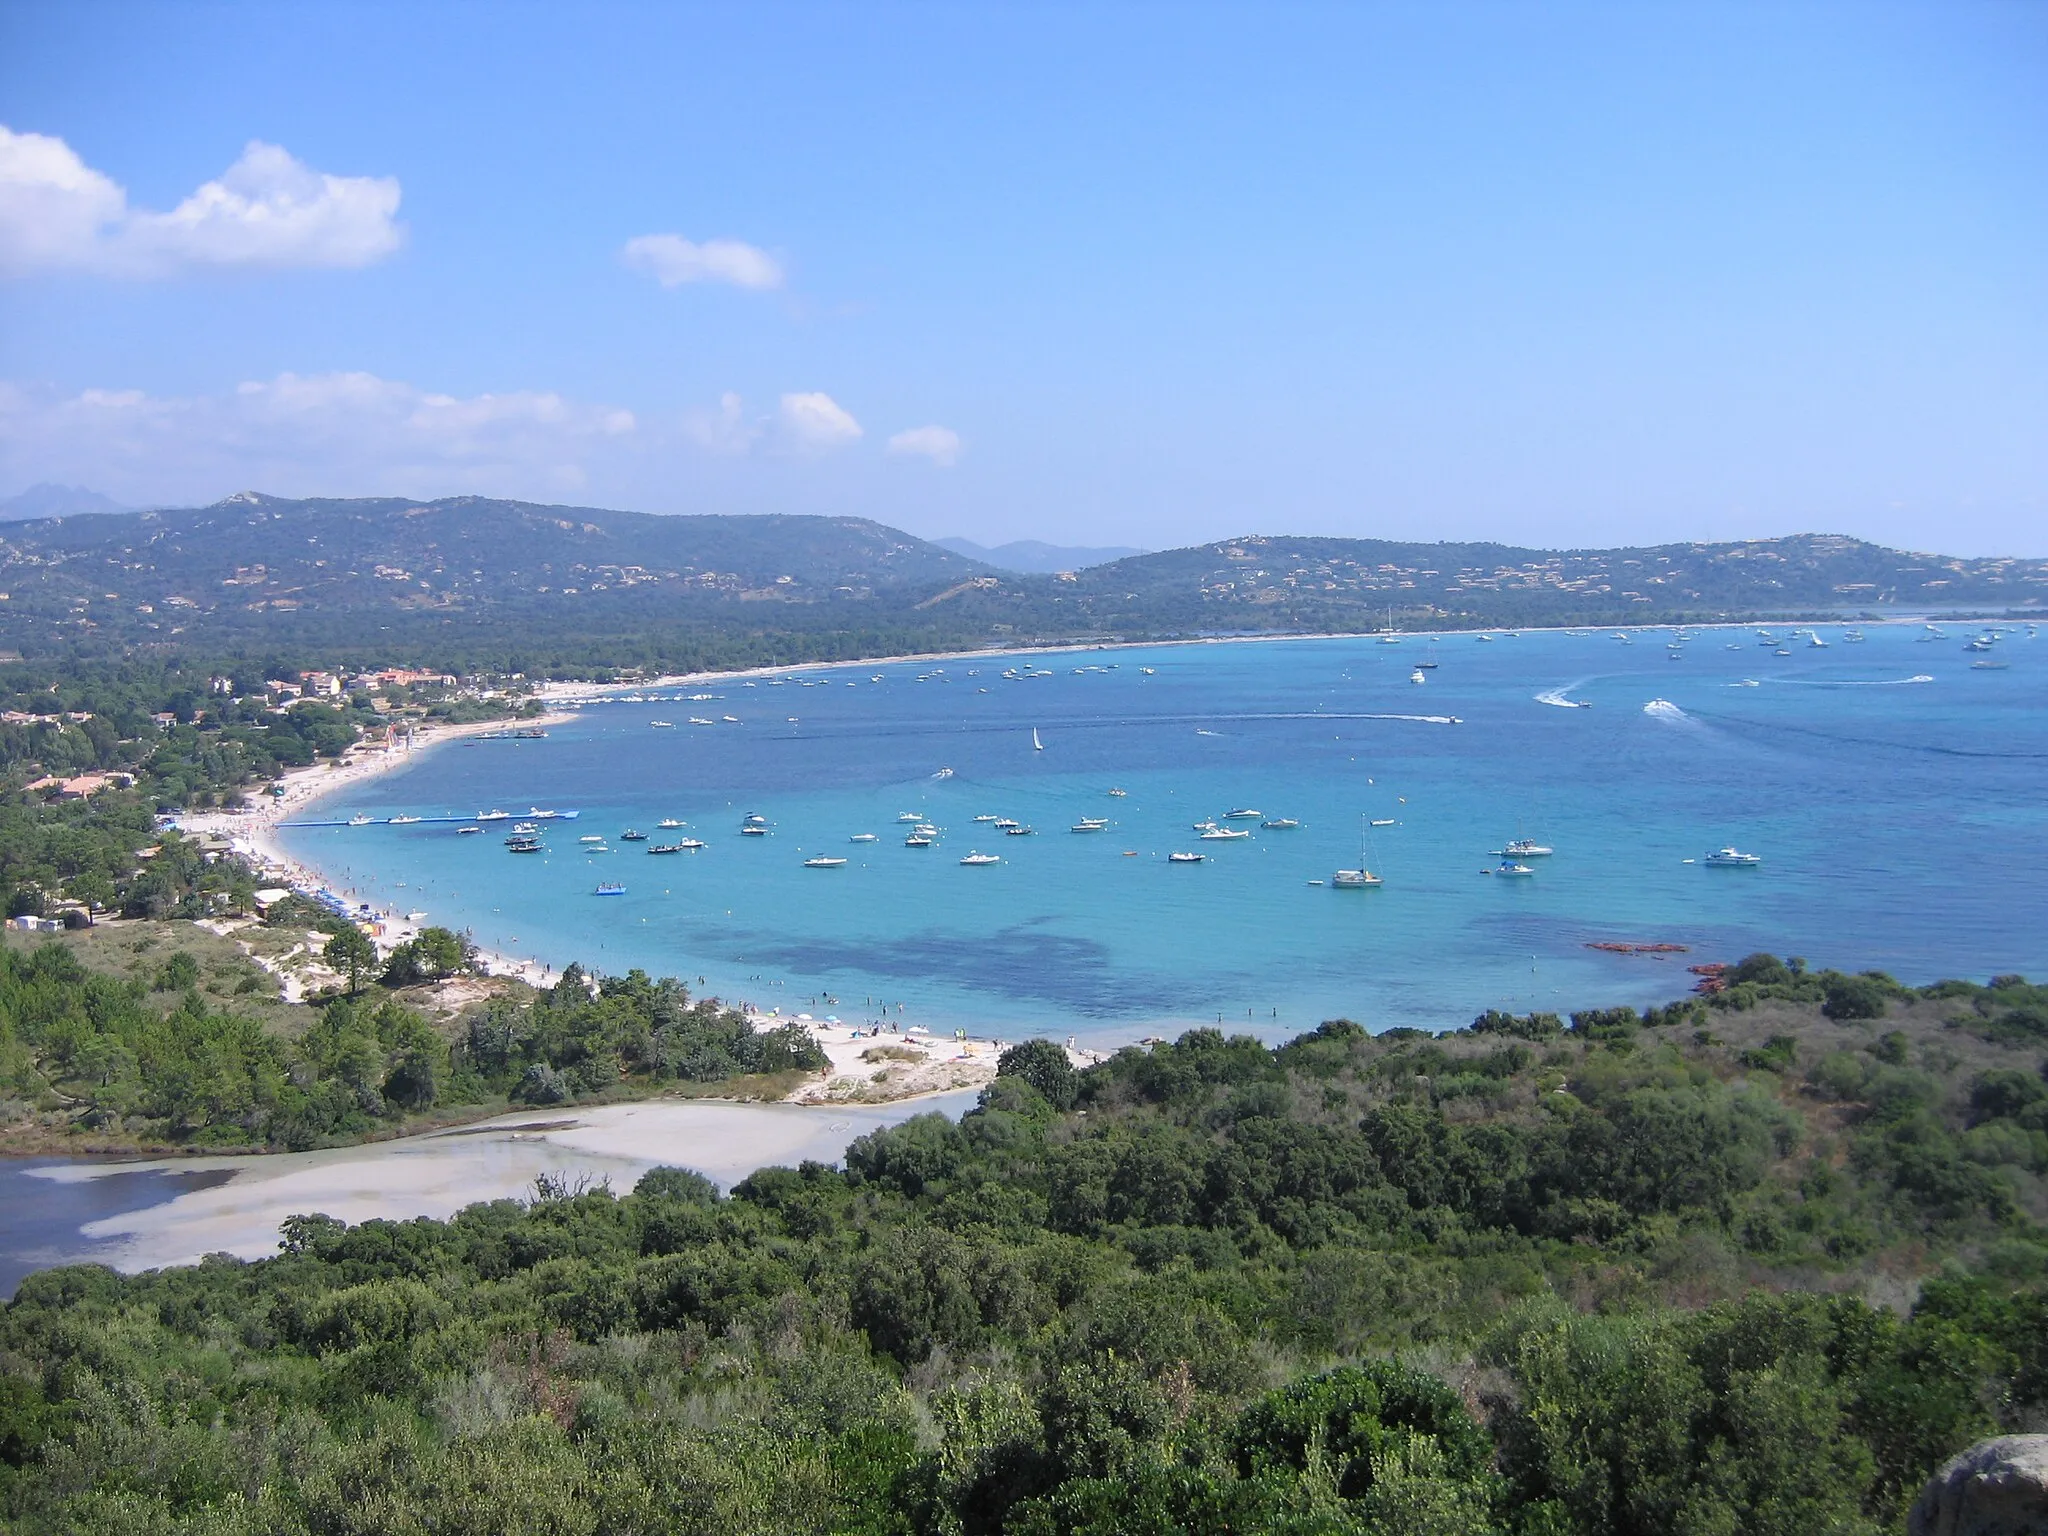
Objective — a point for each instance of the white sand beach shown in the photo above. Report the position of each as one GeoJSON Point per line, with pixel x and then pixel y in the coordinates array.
{"type": "Point", "coordinates": [437, 1175]}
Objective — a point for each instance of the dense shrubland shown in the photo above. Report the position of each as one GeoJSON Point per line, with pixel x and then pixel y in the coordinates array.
{"type": "Point", "coordinates": [147, 1059]}
{"type": "Point", "coordinates": [1616, 1276]}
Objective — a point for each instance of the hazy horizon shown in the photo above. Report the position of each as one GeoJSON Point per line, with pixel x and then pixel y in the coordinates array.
{"type": "Point", "coordinates": [1586, 277]}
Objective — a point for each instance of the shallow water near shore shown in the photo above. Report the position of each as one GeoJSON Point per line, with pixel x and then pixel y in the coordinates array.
{"type": "Point", "coordinates": [1898, 797]}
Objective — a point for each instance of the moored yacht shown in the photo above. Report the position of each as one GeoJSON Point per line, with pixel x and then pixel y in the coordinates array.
{"type": "Point", "coordinates": [824, 861]}
{"type": "Point", "coordinates": [1354, 879]}
{"type": "Point", "coordinates": [982, 858]}
{"type": "Point", "coordinates": [1731, 858]}
{"type": "Point", "coordinates": [1523, 848]}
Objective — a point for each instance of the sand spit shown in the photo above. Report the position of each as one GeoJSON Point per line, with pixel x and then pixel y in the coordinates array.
{"type": "Point", "coordinates": [437, 1175]}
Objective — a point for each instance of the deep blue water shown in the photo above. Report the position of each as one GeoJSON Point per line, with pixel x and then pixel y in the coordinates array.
{"type": "Point", "coordinates": [1903, 824]}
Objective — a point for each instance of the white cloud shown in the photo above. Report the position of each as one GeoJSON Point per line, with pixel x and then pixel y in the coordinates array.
{"type": "Point", "coordinates": [267, 210]}
{"type": "Point", "coordinates": [671, 261]}
{"type": "Point", "coordinates": [723, 431]}
{"type": "Point", "coordinates": [816, 422]}
{"type": "Point", "coordinates": [319, 434]}
{"type": "Point", "coordinates": [939, 444]}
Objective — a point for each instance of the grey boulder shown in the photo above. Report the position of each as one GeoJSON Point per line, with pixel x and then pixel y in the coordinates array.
{"type": "Point", "coordinates": [1995, 1488]}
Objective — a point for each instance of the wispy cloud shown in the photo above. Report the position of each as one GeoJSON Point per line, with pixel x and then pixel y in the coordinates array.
{"type": "Point", "coordinates": [333, 433]}
{"type": "Point", "coordinates": [815, 423]}
{"type": "Point", "coordinates": [672, 261]}
{"type": "Point", "coordinates": [268, 209]}
{"type": "Point", "coordinates": [939, 444]}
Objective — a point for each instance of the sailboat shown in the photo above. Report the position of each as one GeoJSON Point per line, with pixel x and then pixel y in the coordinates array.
{"type": "Point", "coordinates": [1036, 744]}
{"type": "Point", "coordinates": [1361, 877]}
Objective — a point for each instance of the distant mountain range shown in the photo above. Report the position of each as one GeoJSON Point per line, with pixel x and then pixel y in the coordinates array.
{"type": "Point", "coordinates": [1035, 558]}
{"type": "Point", "coordinates": [48, 500]}
{"type": "Point", "coordinates": [471, 580]}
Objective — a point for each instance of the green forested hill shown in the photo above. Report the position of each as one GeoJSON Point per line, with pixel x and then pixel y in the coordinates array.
{"type": "Point", "coordinates": [467, 582]}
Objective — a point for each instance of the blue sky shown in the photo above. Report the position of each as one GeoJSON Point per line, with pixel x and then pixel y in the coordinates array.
{"type": "Point", "coordinates": [1140, 274]}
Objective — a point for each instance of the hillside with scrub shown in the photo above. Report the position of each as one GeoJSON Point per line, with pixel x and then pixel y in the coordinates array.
{"type": "Point", "coordinates": [1758, 1261]}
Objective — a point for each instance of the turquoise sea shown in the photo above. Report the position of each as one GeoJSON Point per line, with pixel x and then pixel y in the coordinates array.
{"type": "Point", "coordinates": [1897, 795]}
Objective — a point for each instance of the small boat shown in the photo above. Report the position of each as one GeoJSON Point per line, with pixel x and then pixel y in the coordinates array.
{"type": "Point", "coordinates": [611, 888]}
{"type": "Point", "coordinates": [1118, 794]}
{"type": "Point", "coordinates": [1523, 848]}
{"type": "Point", "coordinates": [925, 829]}
{"type": "Point", "coordinates": [982, 858]}
{"type": "Point", "coordinates": [824, 862]}
{"type": "Point", "coordinates": [1019, 831]}
{"type": "Point", "coordinates": [1091, 824]}
{"type": "Point", "coordinates": [1781, 651]}
{"type": "Point", "coordinates": [540, 815]}
{"type": "Point", "coordinates": [493, 815]}
{"type": "Point", "coordinates": [1242, 815]}
{"type": "Point", "coordinates": [912, 817]}
{"type": "Point", "coordinates": [665, 848]}
{"type": "Point", "coordinates": [754, 819]}
{"type": "Point", "coordinates": [1385, 821]}
{"type": "Point", "coordinates": [591, 837]}
{"type": "Point", "coordinates": [1147, 671]}
{"type": "Point", "coordinates": [667, 823]}
{"type": "Point", "coordinates": [754, 829]}
{"type": "Point", "coordinates": [730, 719]}
{"type": "Point", "coordinates": [527, 848]}
{"type": "Point", "coordinates": [984, 818]}
{"type": "Point", "coordinates": [1004, 823]}
{"type": "Point", "coordinates": [1185, 858]}
{"type": "Point", "coordinates": [863, 837]}
{"type": "Point", "coordinates": [662, 725]}
{"type": "Point", "coordinates": [1036, 744]}
{"type": "Point", "coordinates": [702, 720]}
{"type": "Point", "coordinates": [467, 831]}
{"type": "Point", "coordinates": [689, 844]}
{"type": "Point", "coordinates": [403, 821]}
{"type": "Point", "coordinates": [360, 820]}
{"type": "Point", "coordinates": [1417, 676]}
{"type": "Point", "coordinates": [1511, 870]}
{"type": "Point", "coordinates": [918, 840]}
{"type": "Point", "coordinates": [1280, 824]}
{"type": "Point", "coordinates": [520, 827]}
{"type": "Point", "coordinates": [1731, 858]}
{"type": "Point", "coordinates": [1223, 835]}
{"type": "Point", "coordinates": [630, 835]}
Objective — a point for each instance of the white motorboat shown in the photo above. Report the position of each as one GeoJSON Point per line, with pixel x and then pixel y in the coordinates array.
{"type": "Point", "coordinates": [1385, 821]}
{"type": "Point", "coordinates": [593, 837]}
{"type": "Point", "coordinates": [1118, 794]}
{"type": "Point", "coordinates": [909, 817]}
{"type": "Point", "coordinates": [1418, 676]}
{"type": "Point", "coordinates": [864, 837]}
{"type": "Point", "coordinates": [754, 829]}
{"type": "Point", "coordinates": [1223, 835]}
{"type": "Point", "coordinates": [1280, 824]}
{"type": "Point", "coordinates": [918, 840]}
{"type": "Point", "coordinates": [1242, 815]}
{"type": "Point", "coordinates": [1185, 858]}
{"type": "Point", "coordinates": [1511, 870]}
{"type": "Point", "coordinates": [1731, 858]}
{"type": "Point", "coordinates": [403, 821]}
{"type": "Point", "coordinates": [984, 818]}
{"type": "Point", "coordinates": [689, 844]}
{"type": "Point", "coordinates": [360, 820]}
{"type": "Point", "coordinates": [468, 831]}
{"type": "Point", "coordinates": [1004, 823]}
{"type": "Point", "coordinates": [982, 858]}
{"type": "Point", "coordinates": [1085, 824]}
{"type": "Point", "coordinates": [1204, 826]}
{"type": "Point", "coordinates": [668, 822]}
{"type": "Point", "coordinates": [1020, 831]}
{"type": "Point", "coordinates": [822, 862]}
{"type": "Point", "coordinates": [661, 725]}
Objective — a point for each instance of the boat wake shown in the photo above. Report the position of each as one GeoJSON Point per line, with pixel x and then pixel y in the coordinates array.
{"type": "Point", "coordinates": [1881, 682]}
{"type": "Point", "coordinates": [1561, 697]}
{"type": "Point", "coordinates": [1664, 709]}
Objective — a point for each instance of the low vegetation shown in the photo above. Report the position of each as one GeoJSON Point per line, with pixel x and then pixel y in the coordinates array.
{"type": "Point", "coordinates": [1757, 1262]}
